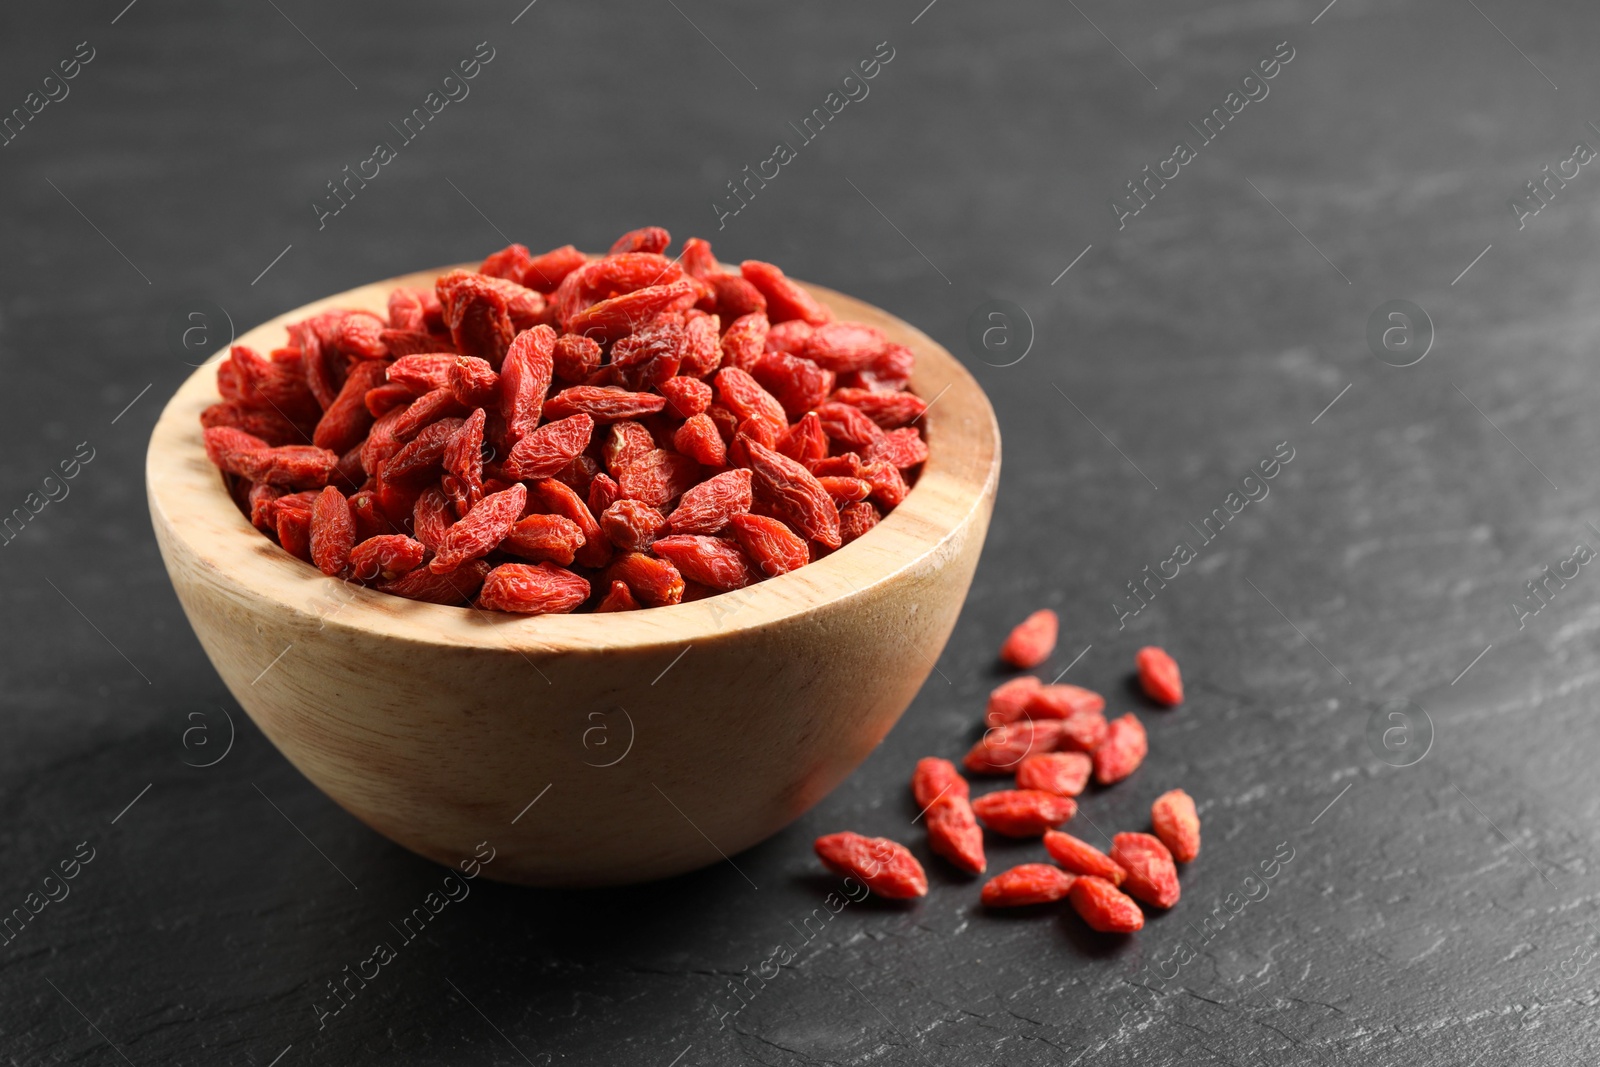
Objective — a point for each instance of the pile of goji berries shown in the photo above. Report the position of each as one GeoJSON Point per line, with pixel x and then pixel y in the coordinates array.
{"type": "Point", "coordinates": [549, 431]}
{"type": "Point", "coordinates": [1053, 738]}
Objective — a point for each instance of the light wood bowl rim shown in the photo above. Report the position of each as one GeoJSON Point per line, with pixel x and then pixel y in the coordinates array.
{"type": "Point", "coordinates": [187, 497]}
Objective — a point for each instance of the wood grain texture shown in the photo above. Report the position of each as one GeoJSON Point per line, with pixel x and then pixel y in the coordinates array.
{"type": "Point", "coordinates": [437, 726]}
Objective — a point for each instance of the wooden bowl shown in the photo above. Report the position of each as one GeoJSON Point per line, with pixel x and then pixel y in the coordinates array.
{"type": "Point", "coordinates": [647, 743]}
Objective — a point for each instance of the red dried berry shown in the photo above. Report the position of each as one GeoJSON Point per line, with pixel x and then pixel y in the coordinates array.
{"type": "Point", "coordinates": [1080, 857]}
{"type": "Point", "coordinates": [481, 530]}
{"type": "Point", "coordinates": [347, 420]}
{"type": "Point", "coordinates": [1152, 878]}
{"type": "Point", "coordinates": [654, 581]}
{"type": "Point", "coordinates": [953, 833]}
{"type": "Point", "coordinates": [473, 382]}
{"type": "Point", "coordinates": [1063, 773]}
{"type": "Point", "coordinates": [744, 341]}
{"type": "Point", "coordinates": [576, 357]}
{"type": "Point", "coordinates": [545, 451]}
{"type": "Point", "coordinates": [455, 588]}
{"type": "Point", "coordinates": [1031, 883]}
{"type": "Point", "coordinates": [646, 239]}
{"type": "Point", "coordinates": [882, 865]}
{"type": "Point", "coordinates": [1083, 731]}
{"type": "Point", "coordinates": [855, 520]}
{"type": "Point", "coordinates": [602, 403]}
{"type": "Point", "coordinates": [544, 273]}
{"type": "Point", "coordinates": [712, 561]}
{"type": "Point", "coordinates": [620, 598]}
{"type": "Point", "coordinates": [686, 397]}
{"type": "Point", "coordinates": [1177, 824]}
{"type": "Point", "coordinates": [1031, 643]}
{"type": "Point", "coordinates": [709, 507]}
{"type": "Point", "coordinates": [698, 439]}
{"type": "Point", "coordinates": [771, 545]}
{"type": "Point", "coordinates": [1009, 701]}
{"type": "Point", "coordinates": [532, 589]}
{"type": "Point", "coordinates": [1159, 677]}
{"type": "Point", "coordinates": [632, 525]}
{"type": "Point", "coordinates": [1123, 749]}
{"type": "Point", "coordinates": [1003, 748]}
{"type": "Point", "coordinates": [561, 499]}
{"type": "Point", "coordinates": [1023, 812]}
{"type": "Point", "coordinates": [796, 495]}
{"type": "Point", "coordinates": [386, 557]}
{"type": "Point", "coordinates": [934, 778]}
{"type": "Point", "coordinates": [785, 299]}
{"type": "Point", "coordinates": [544, 538]}
{"type": "Point", "coordinates": [333, 532]}
{"type": "Point", "coordinates": [1105, 907]}
{"type": "Point", "coordinates": [1063, 702]}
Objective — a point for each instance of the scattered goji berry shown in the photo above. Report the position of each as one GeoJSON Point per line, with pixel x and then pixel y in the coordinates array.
{"type": "Point", "coordinates": [934, 778]}
{"type": "Point", "coordinates": [1104, 907]}
{"type": "Point", "coordinates": [883, 866]}
{"type": "Point", "coordinates": [1177, 824]}
{"type": "Point", "coordinates": [1003, 748]}
{"type": "Point", "coordinates": [1159, 677]}
{"type": "Point", "coordinates": [1123, 749]}
{"type": "Point", "coordinates": [1063, 773]}
{"type": "Point", "coordinates": [1009, 701]}
{"type": "Point", "coordinates": [1152, 878]}
{"type": "Point", "coordinates": [953, 833]}
{"type": "Point", "coordinates": [1080, 857]}
{"type": "Point", "coordinates": [1032, 641]}
{"type": "Point", "coordinates": [1031, 883]}
{"type": "Point", "coordinates": [1023, 812]}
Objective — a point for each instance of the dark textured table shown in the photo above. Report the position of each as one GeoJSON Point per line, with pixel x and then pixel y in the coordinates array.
{"type": "Point", "coordinates": [1373, 607]}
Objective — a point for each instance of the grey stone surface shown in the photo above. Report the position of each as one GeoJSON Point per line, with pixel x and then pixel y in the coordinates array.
{"type": "Point", "coordinates": [1440, 913]}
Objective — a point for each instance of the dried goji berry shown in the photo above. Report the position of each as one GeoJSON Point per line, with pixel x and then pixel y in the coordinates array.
{"type": "Point", "coordinates": [423, 372]}
{"type": "Point", "coordinates": [1152, 878]}
{"type": "Point", "coordinates": [347, 420]}
{"type": "Point", "coordinates": [1177, 824]}
{"type": "Point", "coordinates": [525, 379]}
{"type": "Point", "coordinates": [463, 464]}
{"type": "Point", "coordinates": [698, 439]}
{"type": "Point", "coordinates": [771, 545]}
{"type": "Point", "coordinates": [1084, 731]}
{"type": "Point", "coordinates": [805, 441]}
{"type": "Point", "coordinates": [431, 517]}
{"type": "Point", "coordinates": [654, 581]}
{"type": "Point", "coordinates": [480, 530]}
{"type": "Point", "coordinates": [686, 397]}
{"type": "Point", "coordinates": [575, 357]}
{"type": "Point", "coordinates": [1062, 773]}
{"type": "Point", "coordinates": [702, 347]}
{"type": "Point", "coordinates": [785, 299]}
{"type": "Point", "coordinates": [712, 561]}
{"type": "Point", "coordinates": [645, 239]}
{"type": "Point", "coordinates": [1031, 883]}
{"type": "Point", "coordinates": [658, 477]}
{"type": "Point", "coordinates": [1159, 677]}
{"type": "Point", "coordinates": [473, 382]}
{"type": "Point", "coordinates": [632, 525]}
{"type": "Point", "coordinates": [1002, 748]}
{"type": "Point", "coordinates": [855, 520]}
{"type": "Point", "coordinates": [844, 346]}
{"type": "Point", "coordinates": [709, 507]}
{"type": "Point", "coordinates": [532, 589]}
{"type": "Point", "coordinates": [386, 557]}
{"type": "Point", "coordinates": [953, 833]}
{"type": "Point", "coordinates": [620, 598]}
{"type": "Point", "coordinates": [544, 538]}
{"type": "Point", "coordinates": [1123, 749]}
{"type": "Point", "coordinates": [1063, 702]}
{"type": "Point", "coordinates": [798, 384]}
{"type": "Point", "coordinates": [563, 500]}
{"type": "Point", "coordinates": [1009, 701]}
{"type": "Point", "coordinates": [1104, 907]}
{"type": "Point", "coordinates": [744, 341]}
{"type": "Point", "coordinates": [1023, 812]}
{"type": "Point", "coordinates": [546, 272]}
{"type": "Point", "coordinates": [602, 403]}
{"type": "Point", "coordinates": [935, 777]}
{"type": "Point", "coordinates": [475, 313]}
{"type": "Point", "coordinates": [883, 866]}
{"type": "Point", "coordinates": [333, 532]}
{"type": "Point", "coordinates": [904, 447]}
{"type": "Point", "coordinates": [796, 495]}
{"type": "Point", "coordinates": [1080, 857]}
{"type": "Point", "coordinates": [545, 451]}
{"type": "Point", "coordinates": [455, 587]}
{"type": "Point", "coordinates": [888, 410]}
{"type": "Point", "coordinates": [1031, 643]}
